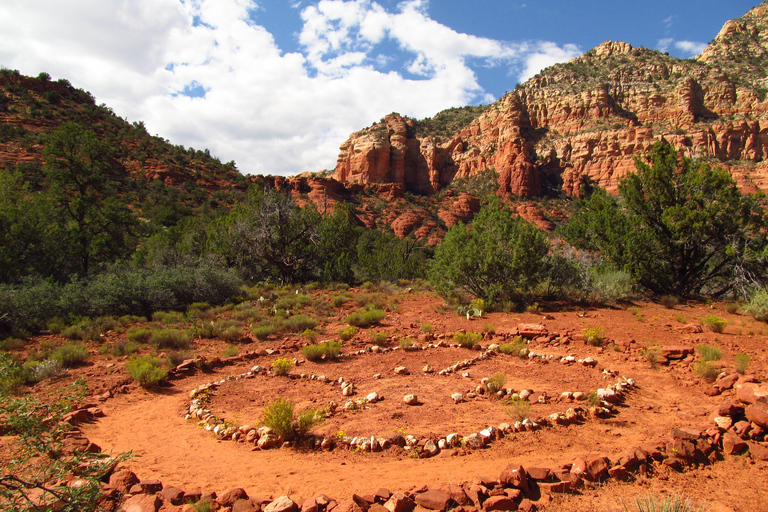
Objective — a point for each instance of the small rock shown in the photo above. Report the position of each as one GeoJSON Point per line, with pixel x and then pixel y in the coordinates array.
{"type": "Point", "coordinates": [457, 397]}
{"type": "Point", "coordinates": [372, 397]}
{"type": "Point", "coordinates": [401, 370]}
{"type": "Point", "coordinates": [411, 399]}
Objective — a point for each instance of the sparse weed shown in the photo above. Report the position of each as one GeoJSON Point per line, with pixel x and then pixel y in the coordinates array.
{"type": "Point", "coordinates": [533, 308]}
{"type": "Point", "coordinates": [405, 343]}
{"type": "Point", "coordinates": [518, 347]}
{"type": "Point", "coordinates": [496, 383]}
{"type": "Point", "coordinates": [669, 301]}
{"type": "Point", "coordinates": [489, 328]}
{"type": "Point", "coordinates": [146, 371]}
{"type": "Point", "coordinates": [742, 362]}
{"type": "Point", "coordinates": [709, 353]}
{"type": "Point", "coordinates": [377, 338]}
{"type": "Point", "coordinates": [594, 336]}
{"type": "Point", "coordinates": [427, 328]}
{"type": "Point", "coordinates": [706, 371]}
{"type": "Point", "coordinates": [518, 408]}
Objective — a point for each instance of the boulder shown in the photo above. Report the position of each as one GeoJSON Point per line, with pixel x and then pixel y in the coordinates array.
{"type": "Point", "coordinates": [411, 399]}
{"type": "Point", "coordinates": [750, 392]}
{"type": "Point", "coordinates": [141, 503]}
{"type": "Point", "coordinates": [433, 499]}
{"type": "Point", "coordinates": [123, 480]}
{"type": "Point", "coordinates": [531, 330]}
{"type": "Point", "coordinates": [228, 498]}
{"type": "Point", "coordinates": [501, 503]}
{"type": "Point", "coordinates": [174, 495]}
{"type": "Point", "coordinates": [757, 413]}
{"type": "Point", "coordinates": [514, 475]}
{"type": "Point", "coordinates": [399, 502]}
{"type": "Point", "coordinates": [245, 506]}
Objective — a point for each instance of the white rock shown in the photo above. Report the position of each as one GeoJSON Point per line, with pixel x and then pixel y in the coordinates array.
{"type": "Point", "coordinates": [452, 439]}
{"type": "Point", "coordinates": [401, 370]}
{"type": "Point", "coordinates": [566, 395]}
{"type": "Point", "coordinates": [589, 362]}
{"type": "Point", "coordinates": [524, 394]}
{"type": "Point", "coordinates": [372, 397]}
{"type": "Point", "coordinates": [474, 441]}
{"type": "Point", "coordinates": [724, 422]}
{"type": "Point", "coordinates": [457, 397]}
{"type": "Point", "coordinates": [411, 399]}
{"type": "Point", "coordinates": [442, 444]}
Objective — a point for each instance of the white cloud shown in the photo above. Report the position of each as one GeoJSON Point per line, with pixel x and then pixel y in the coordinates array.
{"type": "Point", "coordinates": [271, 111]}
{"type": "Point", "coordinates": [684, 49]}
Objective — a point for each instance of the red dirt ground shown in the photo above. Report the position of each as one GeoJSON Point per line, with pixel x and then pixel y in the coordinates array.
{"type": "Point", "coordinates": [178, 452]}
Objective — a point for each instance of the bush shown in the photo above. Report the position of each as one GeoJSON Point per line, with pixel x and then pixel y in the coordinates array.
{"type": "Point", "coordinates": [48, 369]}
{"type": "Point", "coordinates": [140, 335]}
{"type": "Point", "coordinates": [327, 349]}
{"type": "Point", "coordinates": [299, 323]}
{"type": "Point", "coordinates": [669, 301]}
{"type": "Point", "coordinates": [405, 343]}
{"type": "Point", "coordinates": [518, 347]}
{"type": "Point", "coordinates": [338, 301]}
{"type": "Point", "coordinates": [123, 348]}
{"type": "Point", "coordinates": [170, 338]}
{"type": "Point", "coordinates": [279, 416]}
{"type": "Point", "coordinates": [709, 353]}
{"type": "Point", "coordinates": [377, 338]}
{"type": "Point", "coordinates": [427, 328]}
{"type": "Point", "coordinates": [489, 328]}
{"type": "Point", "coordinates": [758, 305]}
{"type": "Point", "coordinates": [594, 336]}
{"type": "Point", "coordinates": [742, 361]}
{"type": "Point", "coordinates": [347, 333]}
{"type": "Point", "coordinates": [467, 339]}
{"type": "Point", "coordinates": [71, 354]}
{"type": "Point", "coordinates": [665, 504]}
{"type": "Point", "coordinates": [365, 318]}
{"type": "Point", "coordinates": [715, 323]}
{"type": "Point", "coordinates": [263, 332]}
{"type": "Point", "coordinates": [706, 371]}
{"type": "Point", "coordinates": [168, 317]}
{"type": "Point", "coordinates": [146, 371]}
{"type": "Point", "coordinates": [496, 258]}
{"type": "Point", "coordinates": [282, 366]}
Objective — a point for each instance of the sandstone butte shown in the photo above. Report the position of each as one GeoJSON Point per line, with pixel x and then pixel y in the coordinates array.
{"type": "Point", "coordinates": [587, 120]}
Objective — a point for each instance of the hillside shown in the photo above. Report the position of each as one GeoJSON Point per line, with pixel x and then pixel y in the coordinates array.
{"type": "Point", "coordinates": [586, 121]}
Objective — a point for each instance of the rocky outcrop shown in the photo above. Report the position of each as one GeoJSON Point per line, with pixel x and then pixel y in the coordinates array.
{"type": "Point", "coordinates": [589, 119]}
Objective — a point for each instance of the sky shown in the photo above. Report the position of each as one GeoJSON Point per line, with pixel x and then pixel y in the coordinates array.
{"type": "Point", "coordinates": [278, 85]}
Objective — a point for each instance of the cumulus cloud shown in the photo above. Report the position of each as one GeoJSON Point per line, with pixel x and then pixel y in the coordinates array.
{"type": "Point", "coordinates": [204, 73]}
{"type": "Point", "coordinates": [684, 48]}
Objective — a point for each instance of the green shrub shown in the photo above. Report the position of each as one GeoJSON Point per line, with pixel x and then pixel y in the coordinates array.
{"type": "Point", "coordinates": [496, 383]}
{"type": "Point", "coordinates": [533, 308]}
{"type": "Point", "coordinates": [742, 362]}
{"type": "Point", "coordinates": [279, 416]}
{"type": "Point", "coordinates": [365, 318]}
{"type": "Point", "coordinates": [282, 366]}
{"type": "Point", "coordinates": [262, 331]}
{"type": "Point", "coordinates": [405, 343]}
{"type": "Point", "coordinates": [758, 305]}
{"type": "Point", "coordinates": [706, 371]}
{"type": "Point", "coordinates": [327, 349]}
{"type": "Point", "coordinates": [467, 339]}
{"type": "Point", "coordinates": [338, 301]}
{"type": "Point", "coordinates": [170, 338]}
{"type": "Point", "coordinates": [123, 348]}
{"type": "Point", "coordinates": [299, 323]}
{"type": "Point", "coordinates": [175, 357]}
{"type": "Point", "coordinates": [518, 409]}
{"type": "Point", "coordinates": [347, 333]}
{"type": "Point", "coordinates": [427, 328]}
{"type": "Point", "coordinates": [715, 323]}
{"type": "Point", "coordinates": [140, 335]}
{"type": "Point", "coordinates": [71, 354]}
{"type": "Point", "coordinates": [230, 351]}
{"type": "Point", "coordinates": [310, 335]}
{"type": "Point", "coordinates": [56, 325]}
{"type": "Point", "coordinates": [168, 317]}
{"type": "Point", "coordinates": [518, 347]}
{"type": "Point", "coordinates": [709, 353]}
{"type": "Point", "coordinates": [651, 354]}
{"type": "Point", "coordinates": [489, 328]}
{"type": "Point", "coordinates": [377, 338]}
{"type": "Point", "coordinates": [205, 330]}
{"type": "Point", "coordinates": [732, 307]}
{"type": "Point", "coordinates": [146, 371]}
{"type": "Point", "coordinates": [594, 335]}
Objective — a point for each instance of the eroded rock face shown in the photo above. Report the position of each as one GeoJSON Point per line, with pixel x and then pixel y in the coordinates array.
{"type": "Point", "coordinates": [586, 121]}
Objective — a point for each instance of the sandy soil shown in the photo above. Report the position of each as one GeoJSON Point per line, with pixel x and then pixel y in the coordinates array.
{"type": "Point", "coordinates": [151, 424]}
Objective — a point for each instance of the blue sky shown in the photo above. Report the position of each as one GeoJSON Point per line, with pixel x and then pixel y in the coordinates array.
{"type": "Point", "coordinates": [278, 85]}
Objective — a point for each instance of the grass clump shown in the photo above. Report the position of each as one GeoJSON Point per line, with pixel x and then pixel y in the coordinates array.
{"type": "Point", "coordinates": [48, 369]}
{"type": "Point", "coordinates": [325, 350]}
{"type": "Point", "coordinates": [282, 366]}
{"type": "Point", "coordinates": [758, 305]}
{"type": "Point", "coordinates": [594, 336]}
{"type": "Point", "coordinates": [667, 504]}
{"type": "Point", "coordinates": [377, 338]}
{"type": "Point", "coordinates": [467, 339]}
{"type": "Point", "coordinates": [709, 353]}
{"type": "Point", "coordinates": [146, 371]}
{"type": "Point", "coordinates": [533, 308]}
{"type": "Point", "coordinates": [170, 339]}
{"type": "Point", "coordinates": [706, 371]}
{"type": "Point", "coordinates": [299, 323]}
{"type": "Point", "coordinates": [496, 383]}
{"type": "Point", "coordinates": [651, 354]}
{"type": "Point", "coordinates": [168, 317]}
{"type": "Point", "coordinates": [518, 408]}
{"type": "Point", "coordinates": [715, 323]}
{"type": "Point", "coordinates": [139, 335]}
{"type": "Point", "coordinates": [742, 362]}
{"type": "Point", "coordinates": [518, 347]}
{"type": "Point", "coordinates": [71, 354]}
{"type": "Point", "coordinates": [263, 331]}
{"type": "Point", "coordinates": [281, 418]}
{"type": "Point", "coordinates": [427, 328]}
{"type": "Point", "coordinates": [669, 301]}
{"type": "Point", "coordinates": [489, 328]}
{"type": "Point", "coordinates": [365, 318]}
{"type": "Point", "coordinates": [347, 333]}
{"type": "Point", "coordinates": [405, 343]}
